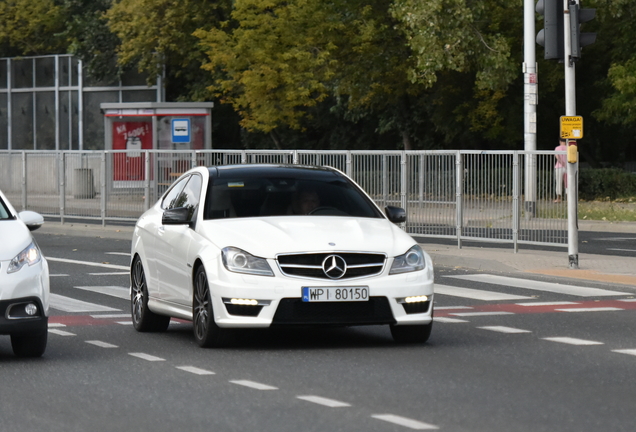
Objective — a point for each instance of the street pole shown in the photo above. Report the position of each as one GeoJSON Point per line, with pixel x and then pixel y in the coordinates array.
{"type": "Point", "coordinates": [529, 107]}
{"type": "Point", "coordinates": [573, 164]}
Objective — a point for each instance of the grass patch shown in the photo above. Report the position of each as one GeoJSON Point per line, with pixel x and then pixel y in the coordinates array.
{"type": "Point", "coordinates": [611, 211]}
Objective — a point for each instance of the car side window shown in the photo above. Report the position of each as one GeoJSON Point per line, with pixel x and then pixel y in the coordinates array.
{"type": "Point", "coordinates": [191, 195]}
{"type": "Point", "coordinates": [173, 198]}
{"type": "Point", "coordinates": [4, 213]}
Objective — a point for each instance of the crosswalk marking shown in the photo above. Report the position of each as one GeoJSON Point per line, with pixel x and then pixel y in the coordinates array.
{"type": "Point", "coordinates": [68, 304]}
{"type": "Point", "coordinates": [538, 285]}
{"type": "Point", "coordinates": [626, 351]}
{"type": "Point", "coordinates": [556, 303]}
{"type": "Point", "coordinates": [449, 320]}
{"type": "Point", "coordinates": [101, 344]}
{"type": "Point", "coordinates": [592, 309]}
{"type": "Point", "coordinates": [195, 370]}
{"type": "Point", "coordinates": [114, 291]}
{"type": "Point", "coordinates": [469, 314]}
{"type": "Point", "coordinates": [61, 332]}
{"type": "Point", "coordinates": [254, 385]}
{"type": "Point", "coordinates": [476, 294]}
{"type": "Point", "coordinates": [87, 263]}
{"type": "Point", "coordinates": [503, 329]}
{"type": "Point", "coordinates": [145, 356]}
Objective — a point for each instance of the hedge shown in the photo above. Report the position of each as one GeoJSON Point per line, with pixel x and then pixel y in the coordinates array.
{"type": "Point", "coordinates": [606, 183]}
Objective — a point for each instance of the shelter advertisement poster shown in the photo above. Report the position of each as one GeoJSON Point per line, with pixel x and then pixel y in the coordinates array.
{"type": "Point", "coordinates": [133, 136]}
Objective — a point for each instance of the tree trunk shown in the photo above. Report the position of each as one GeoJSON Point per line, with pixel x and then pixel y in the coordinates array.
{"type": "Point", "coordinates": [406, 141]}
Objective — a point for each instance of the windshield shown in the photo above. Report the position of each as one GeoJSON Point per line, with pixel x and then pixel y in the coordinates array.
{"type": "Point", "coordinates": [4, 211]}
{"type": "Point", "coordinates": [254, 197]}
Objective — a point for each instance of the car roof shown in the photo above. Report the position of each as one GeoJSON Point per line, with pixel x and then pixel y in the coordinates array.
{"type": "Point", "coordinates": [271, 170]}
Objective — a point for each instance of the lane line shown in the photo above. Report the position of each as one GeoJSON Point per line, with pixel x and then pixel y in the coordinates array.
{"type": "Point", "coordinates": [110, 274]}
{"type": "Point", "coordinates": [449, 320]}
{"type": "Point", "coordinates": [124, 322]}
{"type": "Point", "coordinates": [101, 344]}
{"type": "Point", "coordinates": [118, 253]}
{"type": "Point", "coordinates": [622, 250]}
{"type": "Point", "coordinates": [58, 275]}
{"type": "Point", "coordinates": [628, 300]}
{"type": "Point", "coordinates": [592, 309]}
{"type": "Point", "coordinates": [53, 325]}
{"type": "Point", "coordinates": [107, 316]}
{"type": "Point", "coordinates": [504, 329]}
{"type": "Point", "coordinates": [539, 286]}
{"type": "Point", "coordinates": [195, 370]}
{"type": "Point", "coordinates": [572, 341]}
{"type": "Point", "coordinates": [145, 356]}
{"type": "Point", "coordinates": [61, 332]}
{"type": "Point", "coordinates": [254, 385]}
{"type": "Point", "coordinates": [556, 303]}
{"type": "Point", "coordinates": [68, 304]}
{"type": "Point", "coordinates": [88, 263]}
{"type": "Point", "coordinates": [476, 294]}
{"type": "Point", "coordinates": [113, 291]}
{"type": "Point", "coordinates": [438, 308]}
{"type": "Point", "coordinates": [403, 421]}
{"type": "Point", "coordinates": [626, 351]}
{"type": "Point", "coordinates": [331, 403]}
{"type": "Point", "coordinates": [469, 314]}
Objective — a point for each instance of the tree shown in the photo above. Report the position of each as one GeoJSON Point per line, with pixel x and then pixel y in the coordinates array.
{"type": "Point", "coordinates": [31, 27]}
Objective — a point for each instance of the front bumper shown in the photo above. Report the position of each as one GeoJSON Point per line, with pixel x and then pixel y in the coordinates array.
{"type": "Point", "coordinates": [15, 320]}
{"type": "Point", "coordinates": [279, 300]}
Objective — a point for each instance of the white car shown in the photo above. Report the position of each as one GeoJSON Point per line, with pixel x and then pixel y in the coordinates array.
{"type": "Point", "coordinates": [24, 282]}
{"type": "Point", "coordinates": [250, 246]}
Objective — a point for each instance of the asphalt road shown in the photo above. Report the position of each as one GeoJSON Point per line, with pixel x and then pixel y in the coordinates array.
{"type": "Point", "coordinates": [553, 357]}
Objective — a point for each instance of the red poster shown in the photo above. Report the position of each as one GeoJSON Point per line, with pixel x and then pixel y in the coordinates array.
{"type": "Point", "coordinates": [133, 136]}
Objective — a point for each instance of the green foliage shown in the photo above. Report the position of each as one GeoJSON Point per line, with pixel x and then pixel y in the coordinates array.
{"type": "Point", "coordinates": [30, 27]}
{"type": "Point", "coordinates": [606, 183]}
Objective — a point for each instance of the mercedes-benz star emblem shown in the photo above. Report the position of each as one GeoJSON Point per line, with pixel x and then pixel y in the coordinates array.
{"type": "Point", "coordinates": [334, 266]}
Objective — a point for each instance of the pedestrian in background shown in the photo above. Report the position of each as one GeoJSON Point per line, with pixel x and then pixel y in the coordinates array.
{"type": "Point", "coordinates": [560, 169]}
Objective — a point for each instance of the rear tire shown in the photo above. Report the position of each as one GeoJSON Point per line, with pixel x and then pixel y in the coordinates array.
{"type": "Point", "coordinates": [29, 345]}
{"type": "Point", "coordinates": [411, 333]}
{"type": "Point", "coordinates": [144, 320]}
{"type": "Point", "coordinates": [206, 332]}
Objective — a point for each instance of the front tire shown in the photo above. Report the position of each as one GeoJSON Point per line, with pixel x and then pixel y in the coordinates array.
{"type": "Point", "coordinates": [29, 345]}
{"type": "Point", "coordinates": [411, 333]}
{"type": "Point", "coordinates": [144, 320]}
{"type": "Point", "coordinates": [206, 332]}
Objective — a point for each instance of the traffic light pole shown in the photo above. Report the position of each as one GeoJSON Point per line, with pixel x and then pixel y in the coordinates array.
{"type": "Point", "coordinates": [529, 108]}
{"type": "Point", "coordinates": [573, 164]}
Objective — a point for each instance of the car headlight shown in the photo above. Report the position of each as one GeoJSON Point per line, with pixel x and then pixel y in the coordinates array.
{"type": "Point", "coordinates": [30, 255]}
{"type": "Point", "coordinates": [412, 260]}
{"type": "Point", "coordinates": [239, 261]}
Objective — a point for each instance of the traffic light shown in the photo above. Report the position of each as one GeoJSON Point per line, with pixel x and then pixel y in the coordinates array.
{"type": "Point", "coordinates": [551, 36]}
{"type": "Point", "coordinates": [578, 39]}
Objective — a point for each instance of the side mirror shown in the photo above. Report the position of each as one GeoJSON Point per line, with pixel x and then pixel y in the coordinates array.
{"type": "Point", "coordinates": [176, 216]}
{"type": "Point", "coordinates": [395, 214]}
{"type": "Point", "coordinates": [31, 219]}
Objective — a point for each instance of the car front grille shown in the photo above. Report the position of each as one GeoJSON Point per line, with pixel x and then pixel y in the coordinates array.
{"type": "Point", "coordinates": [312, 265]}
{"type": "Point", "coordinates": [293, 311]}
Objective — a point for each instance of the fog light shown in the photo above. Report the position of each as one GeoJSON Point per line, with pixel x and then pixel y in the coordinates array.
{"type": "Point", "coordinates": [31, 309]}
{"type": "Point", "coordinates": [416, 299]}
{"type": "Point", "coordinates": [245, 302]}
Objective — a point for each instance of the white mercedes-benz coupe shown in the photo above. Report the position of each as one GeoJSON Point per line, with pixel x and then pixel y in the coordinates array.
{"type": "Point", "coordinates": [24, 282]}
{"type": "Point", "coordinates": [250, 246]}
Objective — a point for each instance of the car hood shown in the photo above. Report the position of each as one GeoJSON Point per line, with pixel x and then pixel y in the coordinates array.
{"type": "Point", "coordinates": [15, 237]}
{"type": "Point", "coordinates": [266, 237]}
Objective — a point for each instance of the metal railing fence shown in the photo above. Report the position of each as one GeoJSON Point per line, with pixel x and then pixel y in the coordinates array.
{"type": "Point", "coordinates": [462, 195]}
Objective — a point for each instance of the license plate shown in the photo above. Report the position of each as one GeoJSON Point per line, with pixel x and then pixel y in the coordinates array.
{"type": "Point", "coordinates": [331, 294]}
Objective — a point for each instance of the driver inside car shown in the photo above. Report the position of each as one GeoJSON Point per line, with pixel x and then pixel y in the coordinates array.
{"type": "Point", "coordinates": [304, 202]}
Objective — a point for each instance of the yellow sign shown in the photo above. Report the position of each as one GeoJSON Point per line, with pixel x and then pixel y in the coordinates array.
{"type": "Point", "coordinates": [571, 127]}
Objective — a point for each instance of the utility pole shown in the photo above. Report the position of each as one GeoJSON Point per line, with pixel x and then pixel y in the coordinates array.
{"type": "Point", "coordinates": [530, 101]}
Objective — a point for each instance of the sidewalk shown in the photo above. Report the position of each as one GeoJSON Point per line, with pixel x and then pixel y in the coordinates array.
{"type": "Point", "coordinates": [594, 268]}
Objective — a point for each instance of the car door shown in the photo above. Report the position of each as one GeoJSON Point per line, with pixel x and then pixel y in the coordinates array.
{"type": "Point", "coordinates": [173, 246]}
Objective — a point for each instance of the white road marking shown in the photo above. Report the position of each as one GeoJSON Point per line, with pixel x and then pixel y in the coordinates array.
{"type": "Point", "coordinates": [449, 320]}
{"type": "Point", "coordinates": [469, 314]}
{"type": "Point", "coordinates": [254, 385]}
{"type": "Point", "coordinates": [324, 401]}
{"type": "Point", "coordinates": [114, 291]}
{"type": "Point", "coordinates": [626, 351]}
{"type": "Point", "coordinates": [101, 344]}
{"type": "Point", "coordinates": [147, 357]}
{"type": "Point", "coordinates": [403, 421]}
{"type": "Point", "coordinates": [572, 341]}
{"type": "Point", "coordinates": [628, 300]}
{"type": "Point", "coordinates": [110, 274]}
{"type": "Point", "coordinates": [53, 325]}
{"type": "Point", "coordinates": [195, 370]}
{"type": "Point", "coordinates": [61, 332]}
{"type": "Point", "coordinates": [539, 286]}
{"type": "Point", "coordinates": [476, 294]}
{"type": "Point", "coordinates": [68, 304]}
{"type": "Point", "coordinates": [592, 309]}
{"type": "Point", "coordinates": [107, 316]}
{"type": "Point", "coordinates": [437, 308]}
{"type": "Point", "coordinates": [622, 250]}
{"type": "Point", "coordinates": [118, 253]}
{"type": "Point", "coordinates": [124, 322]}
{"type": "Point", "coordinates": [503, 329]}
{"type": "Point", "coordinates": [616, 238]}
{"type": "Point", "coordinates": [557, 303]}
{"type": "Point", "coordinates": [88, 263]}
{"type": "Point", "coordinates": [58, 275]}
